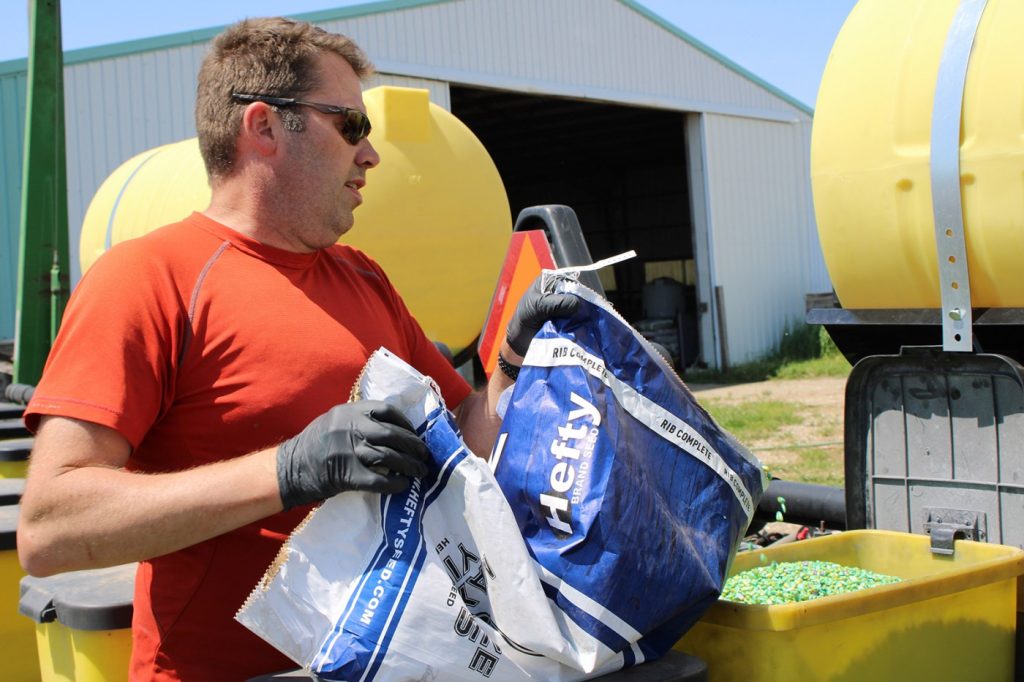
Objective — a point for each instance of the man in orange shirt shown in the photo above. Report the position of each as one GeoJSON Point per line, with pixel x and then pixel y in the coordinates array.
{"type": "Point", "coordinates": [188, 416]}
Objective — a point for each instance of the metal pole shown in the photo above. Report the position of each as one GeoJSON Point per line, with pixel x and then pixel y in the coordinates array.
{"type": "Point", "coordinates": [43, 283]}
{"type": "Point", "coordinates": [723, 337]}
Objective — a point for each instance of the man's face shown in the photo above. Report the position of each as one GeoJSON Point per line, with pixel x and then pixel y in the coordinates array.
{"type": "Point", "coordinates": [322, 171]}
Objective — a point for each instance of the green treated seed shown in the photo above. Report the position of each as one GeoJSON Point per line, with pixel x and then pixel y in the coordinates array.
{"type": "Point", "coordinates": [796, 581]}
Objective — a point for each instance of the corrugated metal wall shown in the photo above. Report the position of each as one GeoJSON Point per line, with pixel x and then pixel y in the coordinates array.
{"type": "Point", "coordinates": [439, 93]}
{"type": "Point", "coordinates": [116, 108]}
{"type": "Point", "coordinates": [580, 48]}
{"type": "Point", "coordinates": [12, 136]}
{"type": "Point", "coordinates": [763, 238]}
{"type": "Point", "coordinates": [120, 105]}
{"type": "Point", "coordinates": [818, 280]}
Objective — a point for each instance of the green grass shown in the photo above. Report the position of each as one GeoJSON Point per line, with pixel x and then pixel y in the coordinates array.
{"type": "Point", "coordinates": [804, 352]}
{"type": "Point", "coordinates": [823, 466]}
{"type": "Point", "coordinates": [832, 366]}
{"type": "Point", "coordinates": [754, 419]}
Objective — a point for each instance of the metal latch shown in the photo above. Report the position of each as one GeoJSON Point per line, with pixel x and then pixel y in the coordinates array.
{"type": "Point", "coordinates": [948, 525]}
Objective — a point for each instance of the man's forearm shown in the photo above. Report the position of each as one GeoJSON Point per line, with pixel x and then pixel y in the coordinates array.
{"type": "Point", "coordinates": [95, 516]}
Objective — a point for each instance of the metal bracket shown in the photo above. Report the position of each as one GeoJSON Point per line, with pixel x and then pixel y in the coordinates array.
{"type": "Point", "coordinates": [946, 526]}
{"type": "Point", "coordinates": [954, 279]}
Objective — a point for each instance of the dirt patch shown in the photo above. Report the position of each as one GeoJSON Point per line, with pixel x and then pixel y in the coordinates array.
{"type": "Point", "coordinates": [809, 451]}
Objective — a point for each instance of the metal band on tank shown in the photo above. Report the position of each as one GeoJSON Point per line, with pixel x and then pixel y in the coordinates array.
{"type": "Point", "coordinates": [117, 201]}
{"type": "Point", "coordinates": [947, 109]}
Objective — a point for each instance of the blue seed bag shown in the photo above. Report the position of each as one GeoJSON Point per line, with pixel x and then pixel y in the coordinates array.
{"type": "Point", "coordinates": [630, 498]}
{"type": "Point", "coordinates": [603, 532]}
{"type": "Point", "coordinates": [431, 583]}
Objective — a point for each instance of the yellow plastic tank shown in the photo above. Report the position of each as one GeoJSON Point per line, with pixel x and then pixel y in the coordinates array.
{"type": "Point", "coordinates": [870, 154]}
{"type": "Point", "coordinates": [953, 618]}
{"type": "Point", "coordinates": [435, 213]}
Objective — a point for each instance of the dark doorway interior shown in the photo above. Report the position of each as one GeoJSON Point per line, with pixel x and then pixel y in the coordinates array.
{"type": "Point", "coordinates": [622, 169]}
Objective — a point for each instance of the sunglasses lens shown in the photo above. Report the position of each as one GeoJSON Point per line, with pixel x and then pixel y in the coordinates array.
{"type": "Point", "coordinates": [355, 127]}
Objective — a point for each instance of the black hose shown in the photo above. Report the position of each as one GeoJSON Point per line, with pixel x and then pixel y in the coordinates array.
{"type": "Point", "coordinates": [805, 503]}
{"type": "Point", "coordinates": [19, 393]}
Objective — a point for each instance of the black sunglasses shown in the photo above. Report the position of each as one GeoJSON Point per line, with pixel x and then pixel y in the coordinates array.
{"type": "Point", "coordinates": [355, 125]}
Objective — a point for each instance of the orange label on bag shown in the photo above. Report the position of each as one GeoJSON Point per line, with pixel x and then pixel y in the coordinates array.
{"type": "Point", "coordinates": [528, 254]}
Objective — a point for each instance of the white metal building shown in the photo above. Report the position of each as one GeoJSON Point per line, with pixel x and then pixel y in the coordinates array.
{"type": "Point", "coordinates": [659, 143]}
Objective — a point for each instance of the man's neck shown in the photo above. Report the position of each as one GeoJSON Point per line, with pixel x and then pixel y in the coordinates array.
{"type": "Point", "coordinates": [245, 211]}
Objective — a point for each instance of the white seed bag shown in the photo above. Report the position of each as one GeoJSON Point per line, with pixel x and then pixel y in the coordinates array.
{"type": "Point", "coordinates": [432, 583]}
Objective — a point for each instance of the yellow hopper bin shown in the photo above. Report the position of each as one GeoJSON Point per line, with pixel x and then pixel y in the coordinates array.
{"type": "Point", "coordinates": [18, 660]}
{"type": "Point", "coordinates": [82, 623]}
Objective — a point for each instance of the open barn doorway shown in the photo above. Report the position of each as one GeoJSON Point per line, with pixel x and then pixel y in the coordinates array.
{"type": "Point", "coordinates": [623, 169]}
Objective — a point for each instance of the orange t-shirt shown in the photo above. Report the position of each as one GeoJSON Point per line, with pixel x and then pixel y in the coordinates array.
{"type": "Point", "coordinates": [199, 344]}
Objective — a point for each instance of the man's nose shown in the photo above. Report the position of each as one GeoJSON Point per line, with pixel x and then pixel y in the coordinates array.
{"type": "Point", "coordinates": [367, 156]}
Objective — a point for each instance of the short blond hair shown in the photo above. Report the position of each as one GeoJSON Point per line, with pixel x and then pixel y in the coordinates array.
{"type": "Point", "coordinates": [272, 56]}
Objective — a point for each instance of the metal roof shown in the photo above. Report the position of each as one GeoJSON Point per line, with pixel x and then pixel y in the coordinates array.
{"type": "Point", "coordinates": [203, 35]}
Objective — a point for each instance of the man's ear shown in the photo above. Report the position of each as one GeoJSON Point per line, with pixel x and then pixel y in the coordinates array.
{"type": "Point", "coordinates": [260, 129]}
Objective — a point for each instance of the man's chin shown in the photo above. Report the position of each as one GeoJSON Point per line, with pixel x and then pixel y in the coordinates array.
{"type": "Point", "coordinates": [342, 226]}
{"type": "Point", "coordinates": [342, 231]}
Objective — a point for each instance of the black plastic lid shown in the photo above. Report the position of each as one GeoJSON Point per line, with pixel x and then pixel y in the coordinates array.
{"type": "Point", "coordinates": [15, 449]}
{"type": "Point", "coordinates": [974, 397]}
{"type": "Point", "coordinates": [8, 527]}
{"type": "Point", "coordinates": [11, 410]}
{"type": "Point", "coordinates": [99, 599]}
{"type": "Point", "coordinates": [11, 490]}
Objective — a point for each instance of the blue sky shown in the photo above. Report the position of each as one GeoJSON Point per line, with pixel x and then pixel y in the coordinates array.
{"type": "Point", "coordinates": [784, 42]}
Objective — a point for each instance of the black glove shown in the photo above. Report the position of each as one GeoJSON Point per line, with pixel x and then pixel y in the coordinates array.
{"type": "Point", "coordinates": [534, 308]}
{"type": "Point", "coordinates": [366, 445]}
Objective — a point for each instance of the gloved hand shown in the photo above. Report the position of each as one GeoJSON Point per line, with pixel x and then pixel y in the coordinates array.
{"type": "Point", "coordinates": [534, 308]}
{"type": "Point", "coordinates": [365, 445]}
